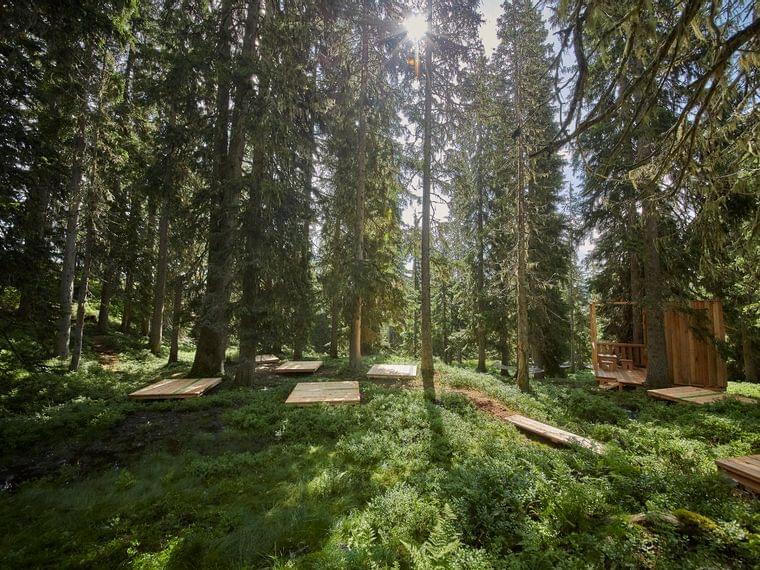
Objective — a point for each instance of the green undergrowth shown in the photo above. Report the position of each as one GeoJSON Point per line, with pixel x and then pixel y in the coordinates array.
{"type": "Point", "coordinates": [237, 480]}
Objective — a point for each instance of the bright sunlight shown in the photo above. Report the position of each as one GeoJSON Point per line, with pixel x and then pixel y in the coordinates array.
{"type": "Point", "coordinates": [416, 27]}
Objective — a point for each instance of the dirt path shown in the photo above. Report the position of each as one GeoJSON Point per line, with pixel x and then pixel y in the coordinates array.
{"type": "Point", "coordinates": [107, 356]}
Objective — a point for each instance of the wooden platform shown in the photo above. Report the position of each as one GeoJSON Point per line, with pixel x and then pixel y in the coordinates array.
{"type": "Point", "coordinates": [299, 367]}
{"type": "Point", "coordinates": [554, 434]}
{"type": "Point", "coordinates": [694, 395]}
{"type": "Point", "coordinates": [744, 470]}
{"type": "Point", "coordinates": [621, 377]}
{"type": "Point", "coordinates": [311, 393]}
{"type": "Point", "coordinates": [393, 371]}
{"type": "Point", "coordinates": [175, 388]}
{"type": "Point", "coordinates": [267, 359]}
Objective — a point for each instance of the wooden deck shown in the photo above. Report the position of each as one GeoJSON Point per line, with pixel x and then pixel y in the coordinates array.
{"type": "Point", "coordinates": [694, 395]}
{"type": "Point", "coordinates": [312, 393]}
{"type": "Point", "coordinates": [299, 367]}
{"type": "Point", "coordinates": [553, 434]}
{"type": "Point", "coordinates": [621, 377]}
{"type": "Point", "coordinates": [175, 388]}
{"type": "Point", "coordinates": [744, 470]}
{"type": "Point", "coordinates": [393, 371]}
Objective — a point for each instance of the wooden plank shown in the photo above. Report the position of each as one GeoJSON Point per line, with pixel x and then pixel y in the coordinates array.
{"type": "Point", "coordinates": [313, 393]}
{"type": "Point", "coordinates": [393, 371]}
{"type": "Point", "coordinates": [299, 367]}
{"type": "Point", "coordinates": [745, 470]}
{"type": "Point", "coordinates": [175, 388]}
{"type": "Point", "coordinates": [554, 434]}
{"type": "Point", "coordinates": [694, 395]}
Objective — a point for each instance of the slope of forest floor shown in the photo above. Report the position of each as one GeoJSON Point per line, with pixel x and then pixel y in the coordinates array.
{"type": "Point", "coordinates": [236, 479]}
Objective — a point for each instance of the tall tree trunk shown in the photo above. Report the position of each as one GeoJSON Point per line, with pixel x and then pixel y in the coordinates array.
{"type": "Point", "coordinates": [748, 355]}
{"type": "Point", "coordinates": [238, 132]}
{"type": "Point", "coordinates": [658, 375]}
{"type": "Point", "coordinates": [251, 275]}
{"type": "Point", "coordinates": [445, 335]}
{"type": "Point", "coordinates": [159, 287]}
{"type": "Point", "coordinates": [504, 348]}
{"type": "Point", "coordinates": [522, 242]}
{"type": "Point", "coordinates": [635, 268]}
{"type": "Point", "coordinates": [426, 356]}
{"type": "Point", "coordinates": [355, 340]}
{"type": "Point", "coordinates": [145, 290]}
{"type": "Point", "coordinates": [176, 320]}
{"type": "Point", "coordinates": [303, 313]}
{"type": "Point", "coordinates": [212, 329]}
{"type": "Point", "coordinates": [84, 284]}
{"type": "Point", "coordinates": [106, 293]}
{"type": "Point", "coordinates": [334, 323]}
{"type": "Point", "coordinates": [133, 222]}
{"type": "Point", "coordinates": [416, 284]}
{"type": "Point", "coordinates": [66, 290]}
{"type": "Point", "coordinates": [480, 326]}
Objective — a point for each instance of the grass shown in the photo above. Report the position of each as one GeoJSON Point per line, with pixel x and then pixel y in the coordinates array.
{"type": "Point", "coordinates": [237, 480]}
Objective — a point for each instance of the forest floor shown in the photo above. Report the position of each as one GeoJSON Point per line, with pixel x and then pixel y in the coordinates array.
{"type": "Point", "coordinates": [236, 479]}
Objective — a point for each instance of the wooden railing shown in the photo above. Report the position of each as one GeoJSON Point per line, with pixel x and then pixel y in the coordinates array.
{"type": "Point", "coordinates": [624, 350]}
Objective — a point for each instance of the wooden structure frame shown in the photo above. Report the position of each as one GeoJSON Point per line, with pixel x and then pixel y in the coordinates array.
{"type": "Point", "coordinates": [693, 360]}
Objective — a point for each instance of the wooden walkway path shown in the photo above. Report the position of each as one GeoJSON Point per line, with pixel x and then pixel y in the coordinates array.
{"type": "Point", "coordinates": [176, 388]}
{"type": "Point", "coordinates": [554, 434]}
{"type": "Point", "coordinates": [744, 470]}
{"type": "Point", "coordinates": [312, 393]}
{"type": "Point", "coordinates": [694, 395]}
{"type": "Point", "coordinates": [544, 431]}
{"type": "Point", "coordinates": [299, 367]}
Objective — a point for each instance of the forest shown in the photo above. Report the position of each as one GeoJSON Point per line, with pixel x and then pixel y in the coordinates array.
{"type": "Point", "coordinates": [521, 237]}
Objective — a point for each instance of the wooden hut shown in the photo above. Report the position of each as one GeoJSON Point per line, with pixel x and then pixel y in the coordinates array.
{"type": "Point", "coordinates": [691, 335]}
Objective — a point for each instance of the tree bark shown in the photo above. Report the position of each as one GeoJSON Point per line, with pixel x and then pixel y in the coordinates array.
{"type": "Point", "coordinates": [212, 329]}
{"type": "Point", "coordinates": [504, 346]}
{"type": "Point", "coordinates": [445, 332]}
{"type": "Point", "coordinates": [635, 268]}
{"type": "Point", "coordinates": [106, 293]}
{"type": "Point", "coordinates": [176, 320]}
{"type": "Point", "coordinates": [426, 356]}
{"type": "Point", "coordinates": [159, 282]}
{"type": "Point", "coordinates": [133, 221]}
{"type": "Point", "coordinates": [334, 322]}
{"type": "Point", "coordinates": [66, 290]}
{"type": "Point", "coordinates": [250, 287]}
{"type": "Point", "coordinates": [355, 339]}
{"type": "Point", "coordinates": [523, 330]}
{"type": "Point", "coordinates": [658, 375]}
{"type": "Point", "coordinates": [85, 281]}
{"type": "Point", "coordinates": [748, 356]}
{"type": "Point", "coordinates": [480, 329]}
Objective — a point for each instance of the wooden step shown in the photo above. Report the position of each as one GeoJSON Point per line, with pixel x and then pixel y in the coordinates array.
{"type": "Point", "coordinates": [554, 434]}
{"type": "Point", "coordinates": [745, 470]}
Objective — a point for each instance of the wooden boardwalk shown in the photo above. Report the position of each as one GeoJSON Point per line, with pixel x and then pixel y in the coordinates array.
{"type": "Point", "coordinates": [554, 434]}
{"type": "Point", "coordinates": [694, 395]}
{"type": "Point", "coordinates": [744, 470]}
{"type": "Point", "coordinates": [312, 393]}
{"type": "Point", "coordinates": [299, 367]}
{"type": "Point", "coordinates": [175, 388]}
{"type": "Point", "coordinates": [393, 371]}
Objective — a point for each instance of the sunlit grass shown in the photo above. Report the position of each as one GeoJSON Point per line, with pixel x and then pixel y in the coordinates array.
{"type": "Point", "coordinates": [236, 479]}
